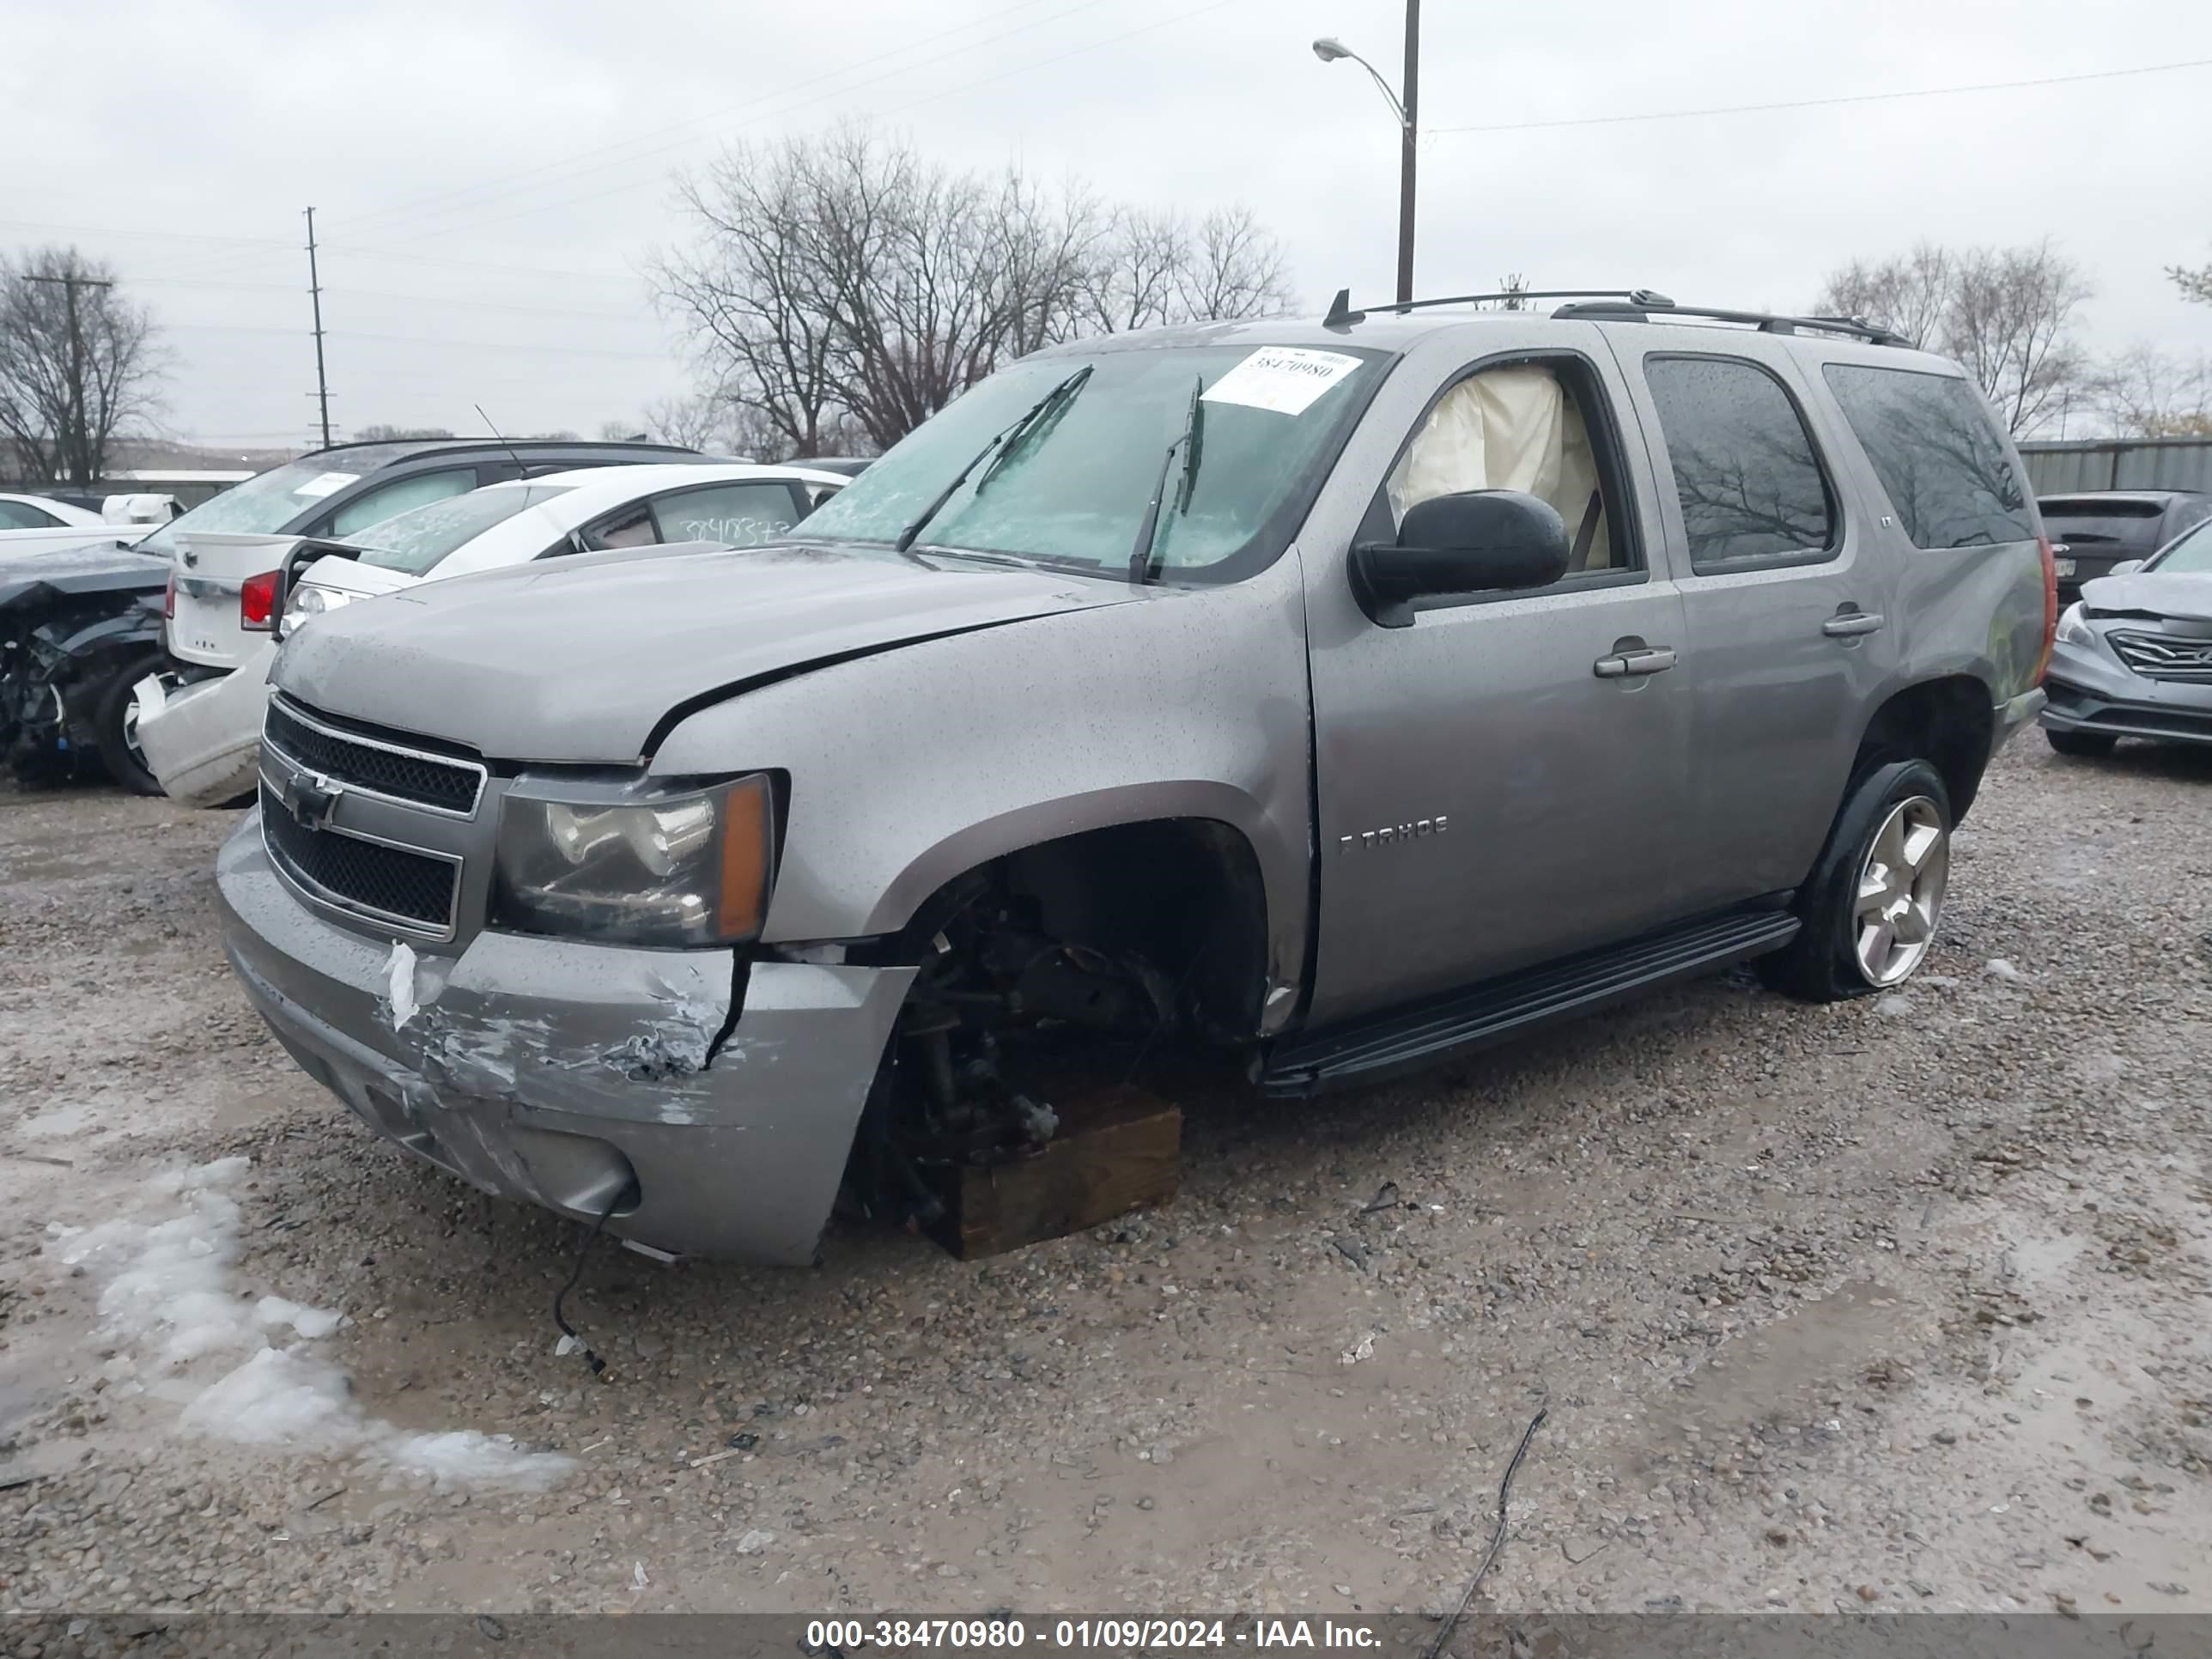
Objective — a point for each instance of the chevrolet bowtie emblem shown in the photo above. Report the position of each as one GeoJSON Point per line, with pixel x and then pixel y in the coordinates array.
{"type": "Point", "coordinates": [309, 797]}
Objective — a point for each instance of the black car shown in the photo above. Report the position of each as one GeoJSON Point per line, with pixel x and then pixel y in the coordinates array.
{"type": "Point", "coordinates": [2097, 529]}
{"type": "Point", "coordinates": [77, 635]}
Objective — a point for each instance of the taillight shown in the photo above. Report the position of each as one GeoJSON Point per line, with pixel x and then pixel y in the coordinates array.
{"type": "Point", "coordinates": [256, 602]}
{"type": "Point", "coordinates": [2050, 607]}
{"type": "Point", "coordinates": [169, 600]}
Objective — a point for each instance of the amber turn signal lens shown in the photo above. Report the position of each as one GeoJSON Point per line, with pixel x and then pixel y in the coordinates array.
{"type": "Point", "coordinates": [748, 857]}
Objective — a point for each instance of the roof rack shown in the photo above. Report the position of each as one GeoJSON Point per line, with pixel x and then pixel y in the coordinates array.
{"type": "Point", "coordinates": [1341, 315]}
{"type": "Point", "coordinates": [1634, 310]}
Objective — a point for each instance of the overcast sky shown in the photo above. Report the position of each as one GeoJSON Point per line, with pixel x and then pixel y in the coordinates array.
{"type": "Point", "coordinates": [489, 174]}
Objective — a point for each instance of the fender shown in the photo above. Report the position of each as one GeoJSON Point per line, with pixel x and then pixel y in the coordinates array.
{"type": "Point", "coordinates": [140, 625]}
{"type": "Point", "coordinates": [910, 767]}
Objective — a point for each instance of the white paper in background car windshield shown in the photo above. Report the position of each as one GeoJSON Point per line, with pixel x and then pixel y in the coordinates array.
{"type": "Point", "coordinates": [1284, 380]}
{"type": "Point", "coordinates": [325, 483]}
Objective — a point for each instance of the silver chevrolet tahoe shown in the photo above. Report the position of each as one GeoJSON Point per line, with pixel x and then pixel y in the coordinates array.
{"type": "Point", "coordinates": [1350, 693]}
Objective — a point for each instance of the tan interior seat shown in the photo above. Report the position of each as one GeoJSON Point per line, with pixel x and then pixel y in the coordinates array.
{"type": "Point", "coordinates": [1512, 427]}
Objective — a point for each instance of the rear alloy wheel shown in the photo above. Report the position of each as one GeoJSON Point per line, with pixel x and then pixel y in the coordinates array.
{"type": "Point", "coordinates": [2086, 745]}
{"type": "Point", "coordinates": [1872, 904]}
{"type": "Point", "coordinates": [115, 726]}
{"type": "Point", "coordinates": [1900, 893]}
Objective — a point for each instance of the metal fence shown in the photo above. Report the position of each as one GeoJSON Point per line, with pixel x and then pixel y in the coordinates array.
{"type": "Point", "coordinates": [2059, 469]}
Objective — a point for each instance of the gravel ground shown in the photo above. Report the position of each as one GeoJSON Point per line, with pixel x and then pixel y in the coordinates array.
{"type": "Point", "coordinates": [1900, 1304]}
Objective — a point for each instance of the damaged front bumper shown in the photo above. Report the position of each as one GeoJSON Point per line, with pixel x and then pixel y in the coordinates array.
{"type": "Point", "coordinates": [574, 1075]}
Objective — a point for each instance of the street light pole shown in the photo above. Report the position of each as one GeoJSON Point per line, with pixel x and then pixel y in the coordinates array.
{"type": "Point", "coordinates": [1412, 101]}
{"type": "Point", "coordinates": [1406, 109]}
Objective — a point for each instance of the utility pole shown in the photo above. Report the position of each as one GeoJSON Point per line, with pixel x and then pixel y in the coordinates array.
{"type": "Point", "coordinates": [1412, 101]}
{"type": "Point", "coordinates": [75, 449]}
{"type": "Point", "coordinates": [315, 294]}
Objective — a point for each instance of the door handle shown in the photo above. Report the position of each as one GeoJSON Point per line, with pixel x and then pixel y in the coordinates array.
{"type": "Point", "coordinates": [1651, 660]}
{"type": "Point", "coordinates": [1850, 624]}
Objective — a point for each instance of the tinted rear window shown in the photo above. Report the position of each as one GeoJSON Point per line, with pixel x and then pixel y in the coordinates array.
{"type": "Point", "coordinates": [2134, 525]}
{"type": "Point", "coordinates": [1948, 471]}
{"type": "Point", "coordinates": [1745, 473]}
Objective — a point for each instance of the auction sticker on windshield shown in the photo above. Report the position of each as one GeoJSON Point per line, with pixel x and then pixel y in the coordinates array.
{"type": "Point", "coordinates": [1285, 380]}
{"type": "Point", "coordinates": [325, 483]}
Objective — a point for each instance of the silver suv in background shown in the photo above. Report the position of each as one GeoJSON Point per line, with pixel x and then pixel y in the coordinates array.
{"type": "Point", "coordinates": [1348, 693]}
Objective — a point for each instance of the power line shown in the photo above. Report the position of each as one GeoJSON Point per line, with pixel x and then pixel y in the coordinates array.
{"type": "Point", "coordinates": [404, 208]}
{"type": "Point", "coordinates": [423, 340]}
{"type": "Point", "coordinates": [1084, 50]}
{"type": "Point", "coordinates": [442, 302]}
{"type": "Point", "coordinates": [754, 120]}
{"type": "Point", "coordinates": [1825, 103]}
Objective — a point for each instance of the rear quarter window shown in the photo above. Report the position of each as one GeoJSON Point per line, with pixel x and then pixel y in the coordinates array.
{"type": "Point", "coordinates": [1948, 471]}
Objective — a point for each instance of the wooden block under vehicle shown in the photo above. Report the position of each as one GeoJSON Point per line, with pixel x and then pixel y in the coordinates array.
{"type": "Point", "coordinates": [1117, 1150]}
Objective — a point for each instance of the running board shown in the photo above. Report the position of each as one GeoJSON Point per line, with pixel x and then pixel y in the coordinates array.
{"type": "Point", "coordinates": [1377, 1049]}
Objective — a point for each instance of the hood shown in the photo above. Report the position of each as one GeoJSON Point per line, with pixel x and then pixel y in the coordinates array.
{"type": "Point", "coordinates": [579, 659]}
{"type": "Point", "coordinates": [36, 577]}
{"type": "Point", "coordinates": [2150, 593]}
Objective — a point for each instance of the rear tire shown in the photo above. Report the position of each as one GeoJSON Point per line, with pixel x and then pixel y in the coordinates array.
{"type": "Point", "coordinates": [1871, 907]}
{"type": "Point", "coordinates": [2084, 746]}
{"type": "Point", "coordinates": [115, 726]}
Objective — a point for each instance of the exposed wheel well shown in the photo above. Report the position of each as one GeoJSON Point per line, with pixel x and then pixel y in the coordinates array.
{"type": "Point", "coordinates": [1184, 894]}
{"type": "Point", "coordinates": [1949, 722]}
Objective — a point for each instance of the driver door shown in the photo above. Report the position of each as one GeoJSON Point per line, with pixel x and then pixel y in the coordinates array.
{"type": "Point", "coordinates": [1488, 795]}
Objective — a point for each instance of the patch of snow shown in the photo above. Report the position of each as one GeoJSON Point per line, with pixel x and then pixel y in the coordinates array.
{"type": "Point", "coordinates": [1998, 968]}
{"type": "Point", "coordinates": [307, 1321]}
{"type": "Point", "coordinates": [1895, 1005]}
{"type": "Point", "coordinates": [755, 1541]}
{"type": "Point", "coordinates": [400, 976]}
{"type": "Point", "coordinates": [169, 1305]}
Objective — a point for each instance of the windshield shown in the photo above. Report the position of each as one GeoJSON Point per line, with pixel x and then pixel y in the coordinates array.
{"type": "Point", "coordinates": [1073, 488]}
{"type": "Point", "coordinates": [2190, 556]}
{"type": "Point", "coordinates": [269, 502]}
{"type": "Point", "coordinates": [414, 541]}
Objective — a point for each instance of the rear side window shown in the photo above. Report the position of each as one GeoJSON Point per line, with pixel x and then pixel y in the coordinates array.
{"type": "Point", "coordinates": [1940, 457]}
{"type": "Point", "coordinates": [401, 496]}
{"type": "Point", "coordinates": [21, 515]}
{"type": "Point", "coordinates": [1749, 481]}
{"type": "Point", "coordinates": [734, 514]}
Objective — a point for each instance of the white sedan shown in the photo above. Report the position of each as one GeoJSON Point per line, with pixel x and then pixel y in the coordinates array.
{"type": "Point", "coordinates": [38, 524]}
{"type": "Point", "coordinates": [202, 739]}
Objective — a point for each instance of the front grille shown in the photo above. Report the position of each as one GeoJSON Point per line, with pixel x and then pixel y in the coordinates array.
{"type": "Point", "coordinates": [2162, 657]}
{"type": "Point", "coordinates": [408, 775]}
{"type": "Point", "coordinates": [384, 883]}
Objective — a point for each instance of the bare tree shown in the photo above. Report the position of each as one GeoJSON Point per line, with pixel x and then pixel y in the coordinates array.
{"type": "Point", "coordinates": [1910, 294]}
{"type": "Point", "coordinates": [378, 433]}
{"type": "Point", "coordinates": [1236, 271]}
{"type": "Point", "coordinates": [627, 432]}
{"type": "Point", "coordinates": [2007, 315]}
{"type": "Point", "coordinates": [2195, 282]}
{"type": "Point", "coordinates": [2010, 324]}
{"type": "Point", "coordinates": [2144, 392]}
{"type": "Point", "coordinates": [78, 364]}
{"type": "Point", "coordinates": [844, 288]}
{"type": "Point", "coordinates": [692, 420]}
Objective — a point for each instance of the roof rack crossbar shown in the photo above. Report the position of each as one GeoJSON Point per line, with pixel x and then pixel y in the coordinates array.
{"type": "Point", "coordinates": [1341, 313]}
{"type": "Point", "coordinates": [1610, 309]}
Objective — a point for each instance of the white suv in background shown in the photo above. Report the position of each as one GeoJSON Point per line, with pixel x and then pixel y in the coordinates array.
{"type": "Point", "coordinates": [202, 740]}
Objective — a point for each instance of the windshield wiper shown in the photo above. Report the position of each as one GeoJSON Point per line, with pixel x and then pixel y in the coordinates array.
{"type": "Point", "coordinates": [1188, 443]}
{"type": "Point", "coordinates": [998, 446]}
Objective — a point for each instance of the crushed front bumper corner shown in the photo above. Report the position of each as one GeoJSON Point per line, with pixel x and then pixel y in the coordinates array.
{"type": "Point", "coordinates": [203, 741]}
{"type": "Point", "coordinates": [573, 1075]}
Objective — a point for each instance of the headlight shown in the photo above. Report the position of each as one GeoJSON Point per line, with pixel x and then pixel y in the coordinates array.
{"type": "Point", "coordinates": [311, 601]}
{"type": "Point", "coordinates": [2072, 629]}
{"type": "Point", "coordinates": [679, 872]}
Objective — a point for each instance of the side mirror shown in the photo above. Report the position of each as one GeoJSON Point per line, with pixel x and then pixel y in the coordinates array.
{"type": "Point", "coordinates": [1478, 541]}
{"type": "Point", "coordinates": [2125, 568]}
